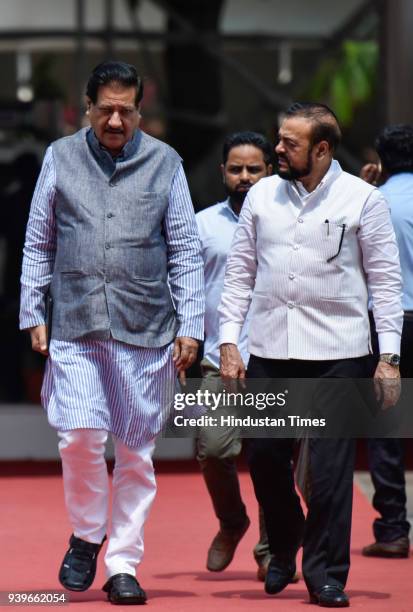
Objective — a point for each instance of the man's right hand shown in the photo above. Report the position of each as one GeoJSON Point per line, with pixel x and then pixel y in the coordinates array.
{"type": "Point", "coordinates": [231, 364]}
{"type": "Point", "coordinates": [38, 336]}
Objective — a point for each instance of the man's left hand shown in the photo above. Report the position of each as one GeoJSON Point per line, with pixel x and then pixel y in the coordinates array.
{"type": "Point", "coordinates": [184, 355]}
{"type": "Point", "coordinates": [387, 384]}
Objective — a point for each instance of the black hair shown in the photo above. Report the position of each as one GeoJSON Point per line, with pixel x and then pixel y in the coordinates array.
{"type": "Point", "coordinates": [114, 72]}
{"type": "Point", "coordinates": [325, 122]}
{"type": "Point", "coordinates": [394, 146]}
{"type": "Point", "coordinates": [248, 138]}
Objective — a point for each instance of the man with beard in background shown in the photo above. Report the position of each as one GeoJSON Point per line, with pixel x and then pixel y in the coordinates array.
{"type": "Point", "coordinates": [247, 157]}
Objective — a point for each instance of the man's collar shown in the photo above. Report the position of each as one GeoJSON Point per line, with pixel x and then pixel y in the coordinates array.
{"type": "Point", "coordinates": [128, 151]}
{"type": "Point", "coordinates": [228, 204]}
{"type": "Point", "coordinates": [333, 171]}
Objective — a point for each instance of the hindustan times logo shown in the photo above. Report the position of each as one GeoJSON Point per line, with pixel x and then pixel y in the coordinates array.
{"type": "Point", "coordinates": [225, 399]}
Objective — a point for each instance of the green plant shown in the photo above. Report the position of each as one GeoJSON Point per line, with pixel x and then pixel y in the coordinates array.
{"type": "Point", "coordinates": [347, 79]}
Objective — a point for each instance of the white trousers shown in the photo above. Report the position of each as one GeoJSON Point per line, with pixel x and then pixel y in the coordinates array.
{"type": "Point", "coordinates": [86, 487]}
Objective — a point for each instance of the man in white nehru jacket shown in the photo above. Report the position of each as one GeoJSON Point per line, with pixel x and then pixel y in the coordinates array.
{"type": "Point", "coordinates": [309, 245]}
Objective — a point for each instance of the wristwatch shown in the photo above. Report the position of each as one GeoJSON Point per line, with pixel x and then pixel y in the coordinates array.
{"type": "Point", "coordinates": [391, 358]}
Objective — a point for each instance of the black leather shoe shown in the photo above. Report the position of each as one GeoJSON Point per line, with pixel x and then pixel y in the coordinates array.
{"type": "Point", "coordinates": [263, 568]}
{"type": "Point", "coordinates": [397, 549]}
{"type": "Point", "coordinates": [330, 596]}
{"type": "Point", "coordinates": [280, 572]}
{"type": "Point", "coordinates": [78, 568]}
{"type": "Point", "coordinates": [124, 589]}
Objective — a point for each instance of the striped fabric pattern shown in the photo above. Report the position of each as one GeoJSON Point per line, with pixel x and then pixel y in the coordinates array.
{"type": "Point", "coordinates": [107, 384]}
{"type": "Point", "coordinates": [110, 385]}
{"type": "Point", "coordinates": [40, 247]}
{"type": "Point", "coordinates": [302, 267]}
{"type": "Point", "coordinates": [185, 265]}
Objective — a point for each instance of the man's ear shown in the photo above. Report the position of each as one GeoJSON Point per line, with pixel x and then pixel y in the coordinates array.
{"type": "Point", "coordinates": [223, 173]}
{"type": "Point", "coordinates": [323, 149]}
{"type": "Point", "coordinates": [88, 104]}
{"type": "Point", "coordinates": [269, 169]}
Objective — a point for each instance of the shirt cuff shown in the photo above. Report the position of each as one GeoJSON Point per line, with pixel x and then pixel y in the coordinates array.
{"type": "Point", "coordinates": [229, 333]}
{"type": "Point", "coordinates": [191, 330]}
{"type": "Point", "coordinates": [389, 342]}
{"type": "Point", "coordinates": [29, 322]}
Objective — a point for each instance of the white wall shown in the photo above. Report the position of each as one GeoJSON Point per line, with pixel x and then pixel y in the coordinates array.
{"type": "Point", "coordinates": [26, 434]}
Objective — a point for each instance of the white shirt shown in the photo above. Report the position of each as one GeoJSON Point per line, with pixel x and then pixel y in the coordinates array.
{"type": "Point", "coordinates": [305, 262]}
{"type": "Point", "coordinates": [217, 225]}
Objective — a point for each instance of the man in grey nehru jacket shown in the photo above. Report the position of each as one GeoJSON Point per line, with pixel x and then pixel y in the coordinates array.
{"type": "Point", "coordinates": [112, 239]}
{"type": "Point", "coordinates": [308, 246]}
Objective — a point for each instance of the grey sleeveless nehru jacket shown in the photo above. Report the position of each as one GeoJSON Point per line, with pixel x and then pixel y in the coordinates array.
{"type": "Point", "coordinates": [110, 273]}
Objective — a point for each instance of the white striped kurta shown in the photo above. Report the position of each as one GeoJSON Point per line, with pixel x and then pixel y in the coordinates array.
{"type": "Point", "coordinates": [110, 385]}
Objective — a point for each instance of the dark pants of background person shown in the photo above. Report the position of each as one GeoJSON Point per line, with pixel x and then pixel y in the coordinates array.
{"type": "Point", "coordinates": [325, 534]}
{"type": "Point", "coordinates": [218, 449]}
{"type": "Point", "coordinates": [386, 456]}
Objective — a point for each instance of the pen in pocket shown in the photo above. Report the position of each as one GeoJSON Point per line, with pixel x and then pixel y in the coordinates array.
{"type": "Point", "coordinates": [328, 226]}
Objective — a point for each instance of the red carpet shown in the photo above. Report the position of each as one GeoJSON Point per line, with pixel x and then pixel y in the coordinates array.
{"type": "Point", "coordinates": [34, 532]}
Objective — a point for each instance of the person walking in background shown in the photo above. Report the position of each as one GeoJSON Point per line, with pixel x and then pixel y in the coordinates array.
{"type": "Point", "coordinates": [394, 174]}
{"type": "Point", "coordinates": [247, 157]}
{"type": "Point", "coordinates": [112, 238]}
{"type": "Point", "coordinates": [308, 246]}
